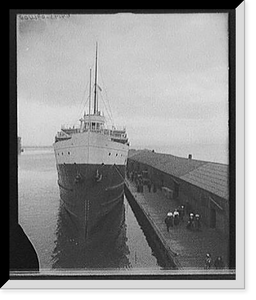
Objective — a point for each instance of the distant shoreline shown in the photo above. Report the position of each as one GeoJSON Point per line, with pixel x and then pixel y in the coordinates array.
{"type": "Point", "coordinates": [210, 152]}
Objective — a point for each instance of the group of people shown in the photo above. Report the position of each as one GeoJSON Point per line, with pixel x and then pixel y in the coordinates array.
{"type": "Point", "coordinates": [218, 263]}
{"type": "Point", "coordinates": [175, 218]}
{"type": "Point", "coordinates": [194, 222]}
{"type": "Point", "coordinates": [135, 176]}
{"type": "Point", "coordinates": [140, 182]}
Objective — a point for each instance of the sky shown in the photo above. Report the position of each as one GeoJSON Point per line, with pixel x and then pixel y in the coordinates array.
{"type": "Point", "coordinates": [164, 76]}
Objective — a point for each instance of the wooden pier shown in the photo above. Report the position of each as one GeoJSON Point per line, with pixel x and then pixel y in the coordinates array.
{"type": "Point", "coordinates": [180, 248]}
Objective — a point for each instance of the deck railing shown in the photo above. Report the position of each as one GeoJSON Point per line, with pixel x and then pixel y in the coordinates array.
{"type": "Point", "coordinates": [118, 134]}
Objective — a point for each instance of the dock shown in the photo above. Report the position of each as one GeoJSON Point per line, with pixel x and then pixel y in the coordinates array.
{"type": "Point", "coordinates": [184, 249]}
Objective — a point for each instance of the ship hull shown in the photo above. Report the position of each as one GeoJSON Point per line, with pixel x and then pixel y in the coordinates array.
{"type": "Point", "coordinates": [87, 200]}
{"type": "Point", "coordinates": [105, 248]}
{"type": "Point", "coordinates": [91, 182]}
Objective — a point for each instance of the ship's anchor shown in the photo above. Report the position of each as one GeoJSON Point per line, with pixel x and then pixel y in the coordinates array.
{"type": "Point", "coordinates": [78, 178]}
{"type": "Point", "coordinates": [98, 176]}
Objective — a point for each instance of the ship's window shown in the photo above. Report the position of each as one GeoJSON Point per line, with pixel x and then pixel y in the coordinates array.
{"type": "Point", "coordinates": [109, 154]}
{"type": "Point", "coordinates": [62, 153]}
{"type": "Point", "coordinates": [116, 154]}
{"type": "Point", "coordinates": [68, 153]}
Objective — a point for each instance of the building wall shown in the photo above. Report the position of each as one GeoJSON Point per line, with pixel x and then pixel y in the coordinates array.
{"type": "Point", "coordinates": [214, 210]}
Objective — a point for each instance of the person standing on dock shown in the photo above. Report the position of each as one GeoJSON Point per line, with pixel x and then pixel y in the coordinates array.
{"type": "Point", "coordinates": [135, 177]}
{"type": "Point", "coordinates": [190, 223]}
{"type": "Point", "coordinates": [181, 211]}
{"type": "Point", "coordinates": [219, 264]}
{"type": "Point", "coordinates": [149, 186]}
{"type": "Point", "coordinates": [197, 222]}
{"type": "Point", "coordinates": [132, 176]}
{"type": "Point", "coordinates": [169, 221]}
{"type": "Point", "coordinates": [208, 261]}
{"type": "Point", "coordinates": [176, 217]}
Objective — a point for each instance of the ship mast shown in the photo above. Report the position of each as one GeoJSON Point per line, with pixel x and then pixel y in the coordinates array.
{"type": "Point", "coordinates": [90, 99]}
{"type": "Point", "coordinates": [90, 93]}
{"type": "Point", "coordinates": [95, 84]}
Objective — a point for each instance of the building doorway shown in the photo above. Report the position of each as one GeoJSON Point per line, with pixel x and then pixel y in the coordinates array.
{"type": "Point", "coordinates": [213, 218]}
{"type": "Point", "coordinates": [176, 190]}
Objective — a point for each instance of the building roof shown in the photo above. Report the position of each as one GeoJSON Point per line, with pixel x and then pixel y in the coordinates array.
{"type": "Point", "coordinates": [212, 177]}
{"type": "Point", "coordinates": [176, 166]}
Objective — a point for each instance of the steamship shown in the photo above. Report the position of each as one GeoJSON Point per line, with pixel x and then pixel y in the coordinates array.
{"type": "Point", "coordinates": [91, 161]}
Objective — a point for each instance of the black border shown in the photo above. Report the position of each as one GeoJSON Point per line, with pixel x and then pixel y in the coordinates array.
{"type": "Point", "coordinates": [232, 138]}
{"type": "Point", "coordinates": [13, 198]}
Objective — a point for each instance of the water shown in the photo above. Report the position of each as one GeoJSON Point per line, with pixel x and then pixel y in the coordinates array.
{"type": "Point", "coordinates": [51, 231]}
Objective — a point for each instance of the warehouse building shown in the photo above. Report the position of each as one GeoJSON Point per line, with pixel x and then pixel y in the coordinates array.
{"type": "Point", "coordinates": [201, 185]}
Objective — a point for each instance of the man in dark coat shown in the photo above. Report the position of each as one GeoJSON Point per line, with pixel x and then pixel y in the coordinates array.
{"type": "Point", "coordinates": [169, 220]}
{"type": "Point", "coordinates": [208, 261]}
{"type": "Point", "coordinates": [149, 186]}
{"type": "Point", "coordinates": [191, 222]}
{"type": "Point", "coordinates": [197, 222]}
{"type": "Point", "coordinates": [176, 216]}
{"type": "Point", "coordinates": [219, 264]}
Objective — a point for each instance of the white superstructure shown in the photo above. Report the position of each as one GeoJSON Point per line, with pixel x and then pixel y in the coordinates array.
{"type": "Point", "coordinates": [91, 142]}
{"type": "Point", "coordinates": [92, 147]}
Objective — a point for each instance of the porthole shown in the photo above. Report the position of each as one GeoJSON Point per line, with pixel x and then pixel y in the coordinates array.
{"type": "Point", "coordinates": [109, 154]}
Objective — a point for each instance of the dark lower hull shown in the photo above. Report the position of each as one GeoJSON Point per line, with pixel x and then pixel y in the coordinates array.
{"type": "Point", "coordinates": [106, 248]}
{"type": "Point", "coordinates": [90, 193]}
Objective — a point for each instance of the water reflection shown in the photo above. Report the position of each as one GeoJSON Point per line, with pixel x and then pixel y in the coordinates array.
{"type": "Point", "coordinates": [106, 248]}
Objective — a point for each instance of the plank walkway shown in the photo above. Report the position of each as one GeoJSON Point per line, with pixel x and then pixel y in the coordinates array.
{"type": "Point", "coordinates": [189, 247]}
